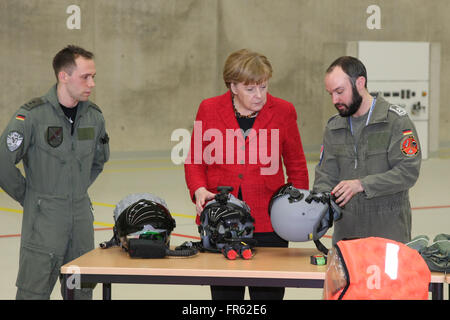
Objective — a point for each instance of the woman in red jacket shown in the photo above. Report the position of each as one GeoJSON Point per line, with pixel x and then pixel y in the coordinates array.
{"type": "Point", "coordinates": [241, 139]}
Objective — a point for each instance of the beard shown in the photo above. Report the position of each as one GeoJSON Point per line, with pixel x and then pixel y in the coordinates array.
{"type": "Point", "coordinates": [351, 109]}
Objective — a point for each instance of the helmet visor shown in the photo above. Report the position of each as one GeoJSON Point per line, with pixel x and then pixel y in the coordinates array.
{"type": "Point", "coordinates": [336, 277]}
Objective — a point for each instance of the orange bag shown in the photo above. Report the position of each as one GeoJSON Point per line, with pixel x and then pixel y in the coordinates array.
{"type": "Point", "coordinates": [375, 268]}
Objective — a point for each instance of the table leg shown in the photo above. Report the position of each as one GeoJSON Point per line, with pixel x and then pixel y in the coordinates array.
{"type": "Point", "coordinates": [68, 293]}
{"type": "Point", "coordinates": [437, 291]}
{"type": "Point", "coordinates": [106, 291]}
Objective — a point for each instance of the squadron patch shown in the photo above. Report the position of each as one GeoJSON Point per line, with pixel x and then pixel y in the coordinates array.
{"type": "Point", "coordinates": [54, 136]}
{"type": "Point", "coordinates": [14, 140]}
{"type": "Point", "coordinates": [409, 146]}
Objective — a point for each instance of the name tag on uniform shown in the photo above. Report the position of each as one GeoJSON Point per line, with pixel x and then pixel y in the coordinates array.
{"type": "Point", "coordinates": [86, 133]}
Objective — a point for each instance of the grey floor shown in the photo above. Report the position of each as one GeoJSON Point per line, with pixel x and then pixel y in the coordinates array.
{"type": "Point", "coordinates": [430, 199]}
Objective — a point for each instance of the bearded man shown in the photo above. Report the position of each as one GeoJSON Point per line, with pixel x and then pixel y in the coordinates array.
{"type": "Point", "coordinates": [370, 157]}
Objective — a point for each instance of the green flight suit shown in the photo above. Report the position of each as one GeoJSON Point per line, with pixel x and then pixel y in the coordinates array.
{"type": "Point", "coordinates": [57, 224]}
{"type": "Point", "coordinates": [386, 159]}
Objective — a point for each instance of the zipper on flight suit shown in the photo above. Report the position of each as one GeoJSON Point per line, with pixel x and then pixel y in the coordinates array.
{"type": "Point", "coordinates": [75, 127]}
{"type": "Point", "coordinates": [355, 149]}
{"type": "Point", "coordinates": [351, 130]}
{"type": "Point", "coordinates": [72, 125]}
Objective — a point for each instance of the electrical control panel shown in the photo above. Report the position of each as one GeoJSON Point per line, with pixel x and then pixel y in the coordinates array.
{"type": "Point", "coordinates": [412, 96]}
{"type": "Point", "coordinates": [399, 71]}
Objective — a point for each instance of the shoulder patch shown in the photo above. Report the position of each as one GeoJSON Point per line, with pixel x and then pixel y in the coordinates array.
{"type": "Point", "coordinates": [397, 109]}
{"type": "Point", "coordinates": [14, 140]}
{"type": "Point", "coordinates": [33, 103]}
{"type": "Point", "coordinates": [96, 107]}
{"type": "Point", "coordinates": [409, 145]}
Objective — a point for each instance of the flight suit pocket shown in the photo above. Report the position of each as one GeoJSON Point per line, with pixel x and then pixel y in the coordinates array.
{"type": "Point", "coordinates": [85, 141]}
{"type": "Point", "coordinates": [344, 150]}
{"type": "Point", "coordinates": [377, 152]}
{"type": "Point", "coordinates": [38, 270]}
{"type": "Point", "coordinates": [85, 153]}
{"type": "Point", "coordinates": [52, 139]}
{"type": "Point", "coordinates": [378, 141]}
{"type": "Point", "coordinates": [346, 159]}
{"type": "Point", "coordinates": [50, 223]}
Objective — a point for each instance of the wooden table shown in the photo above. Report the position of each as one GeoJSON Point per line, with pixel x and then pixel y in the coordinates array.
{"type": "Point", "coordinates": [278, 267]}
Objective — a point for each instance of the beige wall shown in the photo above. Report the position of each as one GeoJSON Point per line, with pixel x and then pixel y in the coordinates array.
{"type": "Point", "coordinates": [156, 60]}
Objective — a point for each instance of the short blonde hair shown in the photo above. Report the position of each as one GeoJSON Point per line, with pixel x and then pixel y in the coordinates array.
{"type": "Point", "coordinates": [246, 66]}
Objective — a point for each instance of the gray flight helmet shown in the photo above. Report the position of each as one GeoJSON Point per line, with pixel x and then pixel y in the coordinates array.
{"type": "Point", "coordinates": [300, 215]}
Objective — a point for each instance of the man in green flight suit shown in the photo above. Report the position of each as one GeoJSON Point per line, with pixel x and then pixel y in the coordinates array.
{"type": "Point", "coordinates": [61, 140]}
{"type": "Point", "coordinates": [370, 158]}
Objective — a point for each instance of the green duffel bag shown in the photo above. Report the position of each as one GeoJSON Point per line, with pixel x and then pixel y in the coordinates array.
{"type": "Point", "coordinates": [436, 255]}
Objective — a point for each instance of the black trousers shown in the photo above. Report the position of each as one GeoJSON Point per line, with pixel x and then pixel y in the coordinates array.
{"type": "Point", "coordinates": [265, 239]}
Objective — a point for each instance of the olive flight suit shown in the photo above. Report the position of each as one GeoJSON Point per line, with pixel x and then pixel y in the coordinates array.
{"type": "Point", "coordinates": [386, 159]}
{"type": "Point", "coordinates": [57, 224]}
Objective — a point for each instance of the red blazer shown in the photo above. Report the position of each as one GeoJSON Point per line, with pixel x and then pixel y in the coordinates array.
{"type": "Point", "coordinates": [219, 155]}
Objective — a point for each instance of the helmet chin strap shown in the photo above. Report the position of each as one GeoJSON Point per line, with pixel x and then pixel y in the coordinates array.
{"type": "Point", "coordinates": [321, 247]}
{"type": "Point", "coordinates": [333, 212]}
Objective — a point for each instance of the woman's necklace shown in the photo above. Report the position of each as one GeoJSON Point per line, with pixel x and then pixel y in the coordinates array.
{"type": "Point", "coordinates": [238, 115]}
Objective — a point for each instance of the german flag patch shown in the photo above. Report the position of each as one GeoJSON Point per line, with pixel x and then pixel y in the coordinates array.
{"type": "Point", "coordinates": [407, 132]}
{"type": "Point", "coordinates": [20, 117]}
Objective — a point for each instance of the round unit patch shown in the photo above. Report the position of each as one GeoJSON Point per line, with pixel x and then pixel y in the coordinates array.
{"type": "Point", "coordinates": [409, 146]}
{"type": "Point", "coordinates": [14, 140]}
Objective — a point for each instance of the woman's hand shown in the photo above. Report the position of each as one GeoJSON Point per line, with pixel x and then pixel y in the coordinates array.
{"type": "Point", "coordinates": [201, 196]}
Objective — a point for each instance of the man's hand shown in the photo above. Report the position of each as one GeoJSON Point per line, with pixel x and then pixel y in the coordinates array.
{"type": "Point", "coordinates": [201, 196]}
{"type": "Point", "coordinates": [345, 190]}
